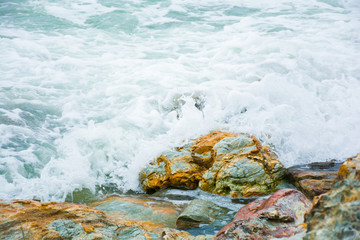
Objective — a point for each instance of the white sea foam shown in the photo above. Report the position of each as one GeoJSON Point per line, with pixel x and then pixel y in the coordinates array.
{"type": "Point", "coordinates": [93, 90]}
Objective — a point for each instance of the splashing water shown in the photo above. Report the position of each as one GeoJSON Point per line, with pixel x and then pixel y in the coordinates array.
{"type": "Point", "coordinates": [92, 90]}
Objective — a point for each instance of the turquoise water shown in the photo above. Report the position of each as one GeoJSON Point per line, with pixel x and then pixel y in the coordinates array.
{"type": "Point", "coordinates": [92, 90]}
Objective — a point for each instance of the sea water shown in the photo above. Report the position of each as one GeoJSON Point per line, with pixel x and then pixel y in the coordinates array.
{"type": "Point", "coordinates": [92, 90]}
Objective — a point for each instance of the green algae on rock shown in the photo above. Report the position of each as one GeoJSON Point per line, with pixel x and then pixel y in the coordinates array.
{"type": "Point", "coordinates": [221, 163]}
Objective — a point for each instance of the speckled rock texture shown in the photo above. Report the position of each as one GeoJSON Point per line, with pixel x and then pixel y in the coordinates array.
{"type": "Point", "coordinates": [280, 216]}
{"type": "Point", "coordinates": [29, 219]}
{"type": "Point", "coordinates": [221, 163]}
{"type": "Point", "coordinates": [336, 214]}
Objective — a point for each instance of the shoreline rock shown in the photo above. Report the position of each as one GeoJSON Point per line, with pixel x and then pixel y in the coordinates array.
{"type": "Point", "coordinates": [336, 214]}
{"type": "Point", "coordinates": [29, 219]}
{"type": "Point", "coordinates": [221, 163]}
{"type": "Point", "coordinates": [313, 181]}
{"type": "Point", "coordinates": [198, 212]}
{"type": "Point", "coordinates": [279, 216]}
{"type": "Point", "coordinates": [138, 209]}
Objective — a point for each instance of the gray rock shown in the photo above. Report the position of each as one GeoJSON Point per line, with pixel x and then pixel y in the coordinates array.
{"type": "Point", "coordinates": [199, 212]}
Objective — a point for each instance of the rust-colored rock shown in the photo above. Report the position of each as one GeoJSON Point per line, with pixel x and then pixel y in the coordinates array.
{"type": "Point", "coordinates": [242, 167]}
{"type": "Point", "coordinates": [139, 209]}
{"type": "Point", "coordinates": [219, 162]}
{"type": "Point", "coordinates": [202, 152]}
{"type": "Point", "coordinates": [350, 169]}
{"type": "Point", "coordinates": [312, 182]}
{"type": "Point", "coordinates": [181, 167]}
{"type": "Point", "coordinates": [280, 216]}
{"type": "Point", "coordinates": [29, 219]}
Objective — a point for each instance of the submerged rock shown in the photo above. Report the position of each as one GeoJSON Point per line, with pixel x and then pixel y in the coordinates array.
{"type": "Point", "coordinates": [336, 214]}
{"type": "Point", "coordinates": [137, 209]}
{"type": "Point", "coordinates": [29, 219]}
{"type": "Point", "coordinates": [281, 215]}
{"type": "Point", "coordinates": [199, 212]}
{"type": "Point", "coordinates": [222, 163]}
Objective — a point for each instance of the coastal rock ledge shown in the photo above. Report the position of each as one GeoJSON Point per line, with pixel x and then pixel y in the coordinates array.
{"type": "Point", "coordinates": [30, 219]}
{"type": "Point", "coordinates": [219, 162]}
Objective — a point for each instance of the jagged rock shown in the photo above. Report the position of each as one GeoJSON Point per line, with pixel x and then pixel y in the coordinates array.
{"type": "Point", "coordinates": [199, 212]}
{"type": "Point", "coordinates": [29, 219]}
{"type": "Point", "coordinates": [242, 167]}
{"type": "Point", "coordinates": [350, 169]}
{"type": "Point", "coordinates": [222, 163]}
{"type": "Point", "coordinates": [281, 215]}
{"type": "Point", "coordinates": [202, 152]}
{"type": "Point", "coordinates": [137, 209]}
{"type": "Point", "coordinates": [181, 167]}
{"type": "Point", "coordinates": [336, 214]}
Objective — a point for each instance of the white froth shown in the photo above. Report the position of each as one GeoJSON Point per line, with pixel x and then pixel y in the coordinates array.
{"type": "Point", "coordinates": [91, 91]}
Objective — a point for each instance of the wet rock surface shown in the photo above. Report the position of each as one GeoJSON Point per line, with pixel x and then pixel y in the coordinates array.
{"type": "Point", "coordinates": [281, 215]}
{"type": "Point", "coordinates": [138, 209]}
{"type": "Point", "coordinates": [199, 212]}
{"type": "Point", "coordinates": [182, 166]}
{"type": "Point", "coordinates": [350, 169]}
{"type": "Point", "coordinates": [30, 219]}
{"type": "Point", "coordinates": [313, 179]}
{"type": "Point", "coordinates": [336, 214]}
{"type": "Point", "coordinates": [221, 163]}
{"type": "Point", "coordinates": [242, 167]}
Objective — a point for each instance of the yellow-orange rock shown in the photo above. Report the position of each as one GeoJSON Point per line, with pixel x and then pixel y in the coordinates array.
{"type": "Point", "coordinates": [29, 219]}
{"type": "Point", "coordinates": [140, 209]}
{"type": "Point", "coordinates": [242, 167]}
{"type": "Point", "coordinates": [202, 152]}
{"type": "Point", "coordinates": [181, 167]}
{"type": "Point", "coordinates": [350, 169]}
{"type": "Point", "coordinates": [219, 162]}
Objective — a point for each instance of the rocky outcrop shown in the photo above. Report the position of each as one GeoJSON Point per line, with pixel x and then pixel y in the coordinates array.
{"type": "Point", "coordinates": [280, 216]}
{"type": "Point", "coordinates": [181, 167]}
{"type": "Point", "coordinates": [222, 163]}
{"type": "Point", "coordinates": [199, 212]}
{"type": "Point", "coordinates": [29, 219]}
{"type": "Point", "coordinates": [336, 214]}
{"type": "Point", "coordinates": [242, 167]}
